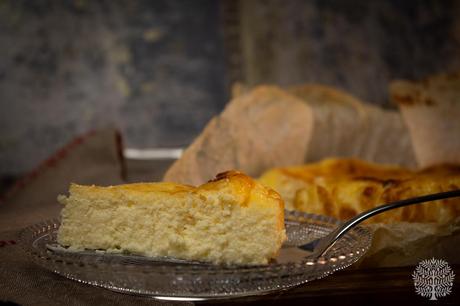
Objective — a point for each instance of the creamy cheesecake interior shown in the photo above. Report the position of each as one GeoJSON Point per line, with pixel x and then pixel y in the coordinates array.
{"type": "Point", "coordinates": [231, 220]}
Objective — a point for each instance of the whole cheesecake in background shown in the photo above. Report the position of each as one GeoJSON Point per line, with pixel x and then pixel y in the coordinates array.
{"type": "Point", "coordinates": [231, 219]}
{"type": "Point", "coordinates": [343, 188]}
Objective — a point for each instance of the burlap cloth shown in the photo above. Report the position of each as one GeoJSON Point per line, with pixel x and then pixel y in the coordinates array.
{"type": "Point", "coordinates": [94, 158]}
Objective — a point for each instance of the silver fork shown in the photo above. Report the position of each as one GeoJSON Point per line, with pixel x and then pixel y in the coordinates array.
{"type": "Point", "coordinates": [320, 246]}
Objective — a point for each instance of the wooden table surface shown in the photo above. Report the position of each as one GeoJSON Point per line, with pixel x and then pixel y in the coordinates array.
{"type": "Point", "coordinates": [382, 286]}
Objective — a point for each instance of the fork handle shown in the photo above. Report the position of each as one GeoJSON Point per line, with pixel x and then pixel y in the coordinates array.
{"type": "Point", "coordinates": [327, 242]}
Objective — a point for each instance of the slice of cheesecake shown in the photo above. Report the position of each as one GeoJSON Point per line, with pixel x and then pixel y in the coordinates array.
{"type": "Point", "coordinates": [231, 219]}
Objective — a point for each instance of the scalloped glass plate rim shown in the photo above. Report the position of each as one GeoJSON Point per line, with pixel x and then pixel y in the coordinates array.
{"type": "Point", "coordinates": [303, 269]}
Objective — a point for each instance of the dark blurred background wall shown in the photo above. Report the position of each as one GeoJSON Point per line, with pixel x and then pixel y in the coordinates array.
{"type": "Point", "coordinates": [356, 45]}
{"type": "Point", "coordinates": [155, 69]}
{"type": "Point", "coordinates": [159, 70]}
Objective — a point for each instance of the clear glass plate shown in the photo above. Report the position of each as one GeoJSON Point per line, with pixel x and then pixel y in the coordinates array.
{"type": "Point", "coordinates": [182, 280]}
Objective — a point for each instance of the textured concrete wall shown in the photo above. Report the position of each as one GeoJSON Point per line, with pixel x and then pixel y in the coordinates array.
{"type": "Point", "coordinates": [157, 69]}
{"type": "Point", "coordinates": [153, 68]}
{"type": "Point", "coordinates": [357, 45]}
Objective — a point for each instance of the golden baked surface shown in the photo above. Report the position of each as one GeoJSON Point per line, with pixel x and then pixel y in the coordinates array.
{"type": "Point", "coordinates": [342, 188]}
{"type": "Point", "coordinates": [231, 219]}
